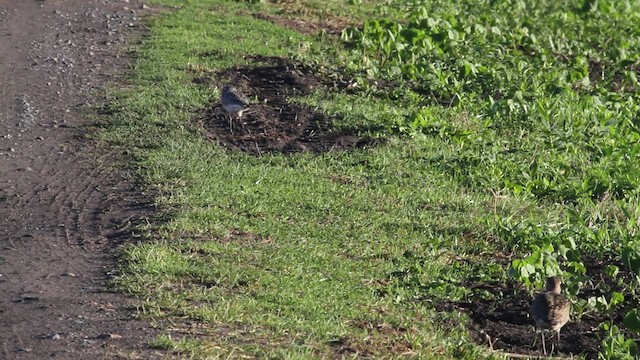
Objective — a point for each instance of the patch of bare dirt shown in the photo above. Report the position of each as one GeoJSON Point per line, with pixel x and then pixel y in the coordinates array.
{"type": "Point", "coordinates": [504, 324]}
{"type": "Point", "coordinates": [66, 207]}
{"type": "Point", "coordinates": [306, 26]}
{"type": "Point", "coordinates": [274, 123]}
{"type": "Point", "coordinates": [506, 327]}
{"type": "Point", "coordinates": [305, 18]}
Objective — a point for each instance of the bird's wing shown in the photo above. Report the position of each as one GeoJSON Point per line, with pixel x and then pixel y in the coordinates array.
{"type": "Point", "coordinates": [238, 98]}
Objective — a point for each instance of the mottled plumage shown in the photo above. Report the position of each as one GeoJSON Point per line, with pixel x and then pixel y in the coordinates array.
{"type": "Point", "coordinates": [550, 309]}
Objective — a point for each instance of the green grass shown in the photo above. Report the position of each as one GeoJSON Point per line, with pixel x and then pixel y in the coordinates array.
{"type": "Point", "coordinates": [298, 256]}
{"type": "Point", "coordinates": [316, 235]}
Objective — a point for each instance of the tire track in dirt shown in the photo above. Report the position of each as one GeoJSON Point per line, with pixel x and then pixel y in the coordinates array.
{"type": "Point", "coordinates": [72, 209]}
{"type": "Point", "coordinates": [65, 207]}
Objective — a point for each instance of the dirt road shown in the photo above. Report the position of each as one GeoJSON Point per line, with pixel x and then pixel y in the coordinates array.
{"type": "Point", "coordinates": [64, 205]}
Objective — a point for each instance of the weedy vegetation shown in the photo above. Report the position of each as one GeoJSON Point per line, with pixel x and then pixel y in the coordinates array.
{"type": "Point", "coordinates": [511, 153]}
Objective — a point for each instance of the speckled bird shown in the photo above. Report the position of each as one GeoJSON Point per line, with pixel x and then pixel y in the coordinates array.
{"type": "Point", "coordinates": [550, 309]}
{"type": "Point", "coordinates": [233, 102]}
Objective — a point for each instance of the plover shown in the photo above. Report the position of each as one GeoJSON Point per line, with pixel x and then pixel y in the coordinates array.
{"type": "Point", "coordinates": [233, 102]}
{"type": "Point", "coordinates": [550, 309]}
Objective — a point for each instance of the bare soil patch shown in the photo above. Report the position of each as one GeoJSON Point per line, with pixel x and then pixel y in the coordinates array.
{"type": "Point", "coordinates": [505, 326]}
{"type": "Point", "coordinates": [308, 27]}
{"type": "Point", "coordinates": [306, 19]}
{"type": "Point", "coordinates": [274, 123]}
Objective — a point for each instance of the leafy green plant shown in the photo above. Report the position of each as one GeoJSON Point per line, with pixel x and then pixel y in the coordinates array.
{"type": "Point", "coordinates": [600, 304]}
{"type": "Point", "coordinates": [535, 268]}
{"type": "Point", "coordinates": [632, 320]}
{"type": "Point", "coordinates": [615, 346]}
{"type": "Point", "coordinates": [631, 256]}
{"type": "Point", "coordinates": [443, 52]}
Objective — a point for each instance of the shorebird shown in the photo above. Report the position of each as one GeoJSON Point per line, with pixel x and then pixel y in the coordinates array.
{"type": "Point", "coordinates": [550, 309]}
{"type": "Point", "coordinates": [233, 102]}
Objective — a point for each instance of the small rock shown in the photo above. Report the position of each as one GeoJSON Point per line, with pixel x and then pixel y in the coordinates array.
{"type": "Point", "coordinates": [70, 274]}
{"type": "Point", "coordinates": [54, 336]}
{"type": "Point", "coordinates": [144, 6]}
{"type": "Point", "coordinates": [26, 299]}
{"type": "Point", "coordinates": [109, 336]}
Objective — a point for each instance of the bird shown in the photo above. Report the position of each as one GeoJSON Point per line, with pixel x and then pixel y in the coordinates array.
{"type": "Point", "coordinates": [550, 309]}
{"type": "Point", "coordinates": [233, 103]}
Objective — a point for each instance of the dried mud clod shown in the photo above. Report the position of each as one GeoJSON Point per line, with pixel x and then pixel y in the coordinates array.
{"type": "Point", "coordinates": [275, 123]}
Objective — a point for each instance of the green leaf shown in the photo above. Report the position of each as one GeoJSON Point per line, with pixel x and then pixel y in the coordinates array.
{"type": "Point", "coordinates": [632, 77]}
{"type": "Point", "coordinates": [616, 298]}
{"type": "Point", "coordinates": [632, 320]}
{"type": "Point", "coordinates": [611, 270]}
{"type": "Point", "coordinates": [633, 347]}
{"type": "Point", "coordinates": [631, 257]}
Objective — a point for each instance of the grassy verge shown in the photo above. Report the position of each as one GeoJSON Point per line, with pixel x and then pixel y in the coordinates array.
{"type": "Point", "coordinates": [347, 253]}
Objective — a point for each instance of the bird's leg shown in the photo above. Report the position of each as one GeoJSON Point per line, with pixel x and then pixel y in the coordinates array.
{"type": "Point", "coordinates": [240, 118]}
{"type": "Point", "coordinates": [230, 124]}
{"type": "Point", "coordinates": [544, 348]}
